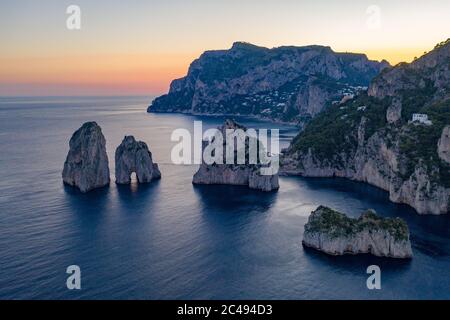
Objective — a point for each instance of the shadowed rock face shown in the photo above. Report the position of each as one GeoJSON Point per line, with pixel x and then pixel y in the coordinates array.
{"type": "Point", "coordinates": [287, 84]}
{"type": "Point", "coordinates": [334, 233]}
{"type": "Point", "coordinates": [408, 160]}
{"type": "Point", "coordinates": [444, 145]}
{"type": "Point", "coordinates": [86, 166]}
{"type": "Point", "coordinates": [235, 174]}
{"type": "Point", "coordinates": [134, 156]}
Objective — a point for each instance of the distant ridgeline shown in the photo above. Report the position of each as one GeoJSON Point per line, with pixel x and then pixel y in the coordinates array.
{"type": "Point", "coordinates": [373, 137]}
{"type": "Point", "coordinates": [286, 84]}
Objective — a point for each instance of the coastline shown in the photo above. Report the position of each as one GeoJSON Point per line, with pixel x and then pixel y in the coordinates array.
{"type": "Point", "coordinates": [255, 117]}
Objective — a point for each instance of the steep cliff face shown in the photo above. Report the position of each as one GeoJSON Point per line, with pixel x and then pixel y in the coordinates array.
{"type": "Point", "coordinates": [245, 174]}
{"type": "Point", "coordinates": [289, 84]}
{"type": "Point", "coordinates": [444, 145]}
{"type": "Point", "coordinates": [372, 138]}
{"type": "Point", "coordinates": [334, 233]}
{"type": "Point", "coordinates": [86, 166]}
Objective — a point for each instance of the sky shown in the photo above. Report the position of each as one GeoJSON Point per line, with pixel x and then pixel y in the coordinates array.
{"type": "Point", "coordinates": [136, 47]}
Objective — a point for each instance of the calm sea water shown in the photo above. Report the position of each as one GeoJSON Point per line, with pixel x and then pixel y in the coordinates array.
{"type": "Point", "coordinates": [173, 240]}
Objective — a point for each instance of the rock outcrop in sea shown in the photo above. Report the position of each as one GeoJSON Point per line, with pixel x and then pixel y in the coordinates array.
{"type": "Point", "coordinates": [373, 139]}
{"type": "Point", "coordinates": [334, 233]}
{"type": "Point", "coordinates": [134, 156]}
{"type": "Point", "coordinates": [285, 84]}
{"type": "Point", "coordinates": [86, 166]}
{"type": "Point", "coordinates": [247, 174]}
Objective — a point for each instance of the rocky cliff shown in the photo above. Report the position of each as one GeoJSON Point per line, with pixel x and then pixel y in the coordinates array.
{"type": "Point", "coordinates": [444, 145]}
{"type": "Point", "coordinates": [288, 84]}
{"type": "Point", "coordinates": [86, 165]}
{"type": "Point", "coordinates": [334, 233]}
{"type": "Point", "coordinates": [248, 174]}
{"type": "Point", "coordinates": [372, 138]}
{"type": "Point", "coordinates": [134, 156]}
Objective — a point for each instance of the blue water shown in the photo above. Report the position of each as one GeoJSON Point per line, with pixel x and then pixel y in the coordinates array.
{"type": "Point", "coordinates": [172, 240]}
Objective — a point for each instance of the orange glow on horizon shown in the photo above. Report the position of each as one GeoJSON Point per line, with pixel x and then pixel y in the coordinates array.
{"type": "Point", "coordinates": [122, 73]}
{"type": "Point", "coordinates": [140, 48]}
{"type": "Point", "coordinates": [396, 55]}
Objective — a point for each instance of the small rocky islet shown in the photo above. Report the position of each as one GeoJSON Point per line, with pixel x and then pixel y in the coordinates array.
{"type": "Point", "coordinates": [87, 168]}
{"type": "Point", "coordinates": [334, 233]}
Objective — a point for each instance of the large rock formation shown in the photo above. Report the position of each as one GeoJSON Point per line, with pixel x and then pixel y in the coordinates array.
{"type": "Point", "coordinates": [394, 111]}
{"type": "Point", "coordinates": [444, 145]}
{"type": "Point", "coordinates": [247, 174]}
{"type": "Point", "coordinates": [86, 166]}
{"type": "Point", "coordinates": [287, 84]}
{"type": "Point", "coordinates": [134, 156]}
{"type": "Point", "coordinates": [334, 233]}
{"type": "Point", "coordinates": [372, 139]}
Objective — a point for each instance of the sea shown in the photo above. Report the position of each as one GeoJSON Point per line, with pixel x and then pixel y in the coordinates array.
{"type": "Point", "coordinates": [171, 239]}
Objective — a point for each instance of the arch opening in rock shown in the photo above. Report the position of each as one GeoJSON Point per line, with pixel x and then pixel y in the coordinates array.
{"type": "Point", "coordinates": [133, 159]}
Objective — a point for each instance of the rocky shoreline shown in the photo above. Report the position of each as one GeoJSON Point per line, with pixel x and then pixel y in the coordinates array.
{"type": "Point", "coordinates": [417, 191]}
{"type": "Point", "coordinates": [373, 139]}
{"type": "Point", "coordinates": [235, 115]}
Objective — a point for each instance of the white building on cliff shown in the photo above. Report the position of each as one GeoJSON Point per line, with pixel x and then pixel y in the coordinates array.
{"type": "Point", "coordinates": [421, 118]}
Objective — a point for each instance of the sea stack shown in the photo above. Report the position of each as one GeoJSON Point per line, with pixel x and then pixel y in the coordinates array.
{"type": "Point", "coordinates": [246, 174]}
{"type": "Point", "coordinates": [134, 156]}
{"type": "Point", "coordinates": [86, 166]}
{"type": "Point", "coordinates": [334, 233]}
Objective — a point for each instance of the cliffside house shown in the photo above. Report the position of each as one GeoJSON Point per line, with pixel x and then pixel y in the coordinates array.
{"type": "Point", "coordinates": [421, 118]}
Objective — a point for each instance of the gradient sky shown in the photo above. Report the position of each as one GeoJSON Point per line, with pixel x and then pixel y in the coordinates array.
{"type": "Point", "coordinates": [138, 46]}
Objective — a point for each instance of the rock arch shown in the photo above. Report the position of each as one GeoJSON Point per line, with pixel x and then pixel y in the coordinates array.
{"type": "Point", "coordinates": [134, 156]}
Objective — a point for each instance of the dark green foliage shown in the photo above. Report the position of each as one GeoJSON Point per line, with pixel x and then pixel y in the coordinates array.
{"type": "Point", "coordinates": [335, 130]}
{"type": "Point", "coordinates": [441, 44]}
{"type": "Point", "coordinates": [414, 100]}
{"type": "Point", "coordinates": [332, 222]}
{"type": "Point", "coordinates": [418, 143]}
{"type": "Point", "coordinates": [228, 67]}
{"type": "Point", "coordinates": [336, 224]}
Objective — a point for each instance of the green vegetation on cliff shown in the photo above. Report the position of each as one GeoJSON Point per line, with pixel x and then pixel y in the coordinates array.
{"type": "Point", "coordinates": [333, 134]}
{"type": "Point", "coordinates": [335, 131]}
{"type": "Point", "coordinates": [418, 143]}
